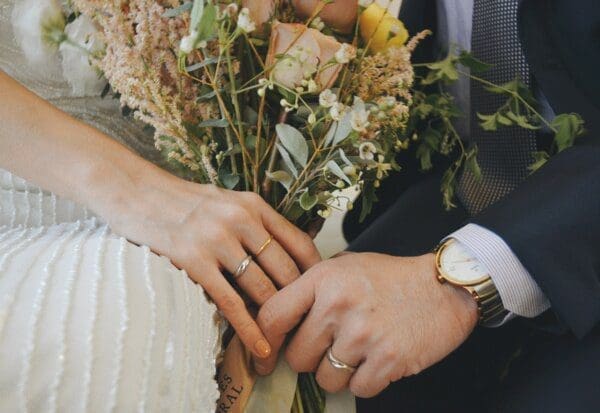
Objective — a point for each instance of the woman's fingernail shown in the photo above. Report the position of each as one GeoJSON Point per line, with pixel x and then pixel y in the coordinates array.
{"type": "Point", "coordinates": [263, 349]}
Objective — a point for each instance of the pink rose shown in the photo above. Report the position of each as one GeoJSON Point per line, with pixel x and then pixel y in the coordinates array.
{"type": "Point", "coordinates": [306, 51]}
{"type": "Point", "coordinates": [340, 15]}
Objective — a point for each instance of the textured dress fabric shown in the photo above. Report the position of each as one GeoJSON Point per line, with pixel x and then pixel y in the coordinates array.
{"type": "Point", "coordinates": [90, 322]}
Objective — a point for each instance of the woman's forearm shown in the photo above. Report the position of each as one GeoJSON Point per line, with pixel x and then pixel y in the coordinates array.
{"type": "Point", "coordinates": [61, 154]}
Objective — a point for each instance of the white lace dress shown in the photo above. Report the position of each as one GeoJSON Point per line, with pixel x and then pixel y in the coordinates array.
{"type": "Point", "coordinates": [89, 321]}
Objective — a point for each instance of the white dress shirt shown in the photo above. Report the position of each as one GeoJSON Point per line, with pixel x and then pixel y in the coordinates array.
{"type": "Point", "coordinates": [519, 292]}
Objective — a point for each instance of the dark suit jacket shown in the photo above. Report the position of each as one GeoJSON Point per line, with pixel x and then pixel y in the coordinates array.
{"type": "Point", "coordinates": [552, 221]}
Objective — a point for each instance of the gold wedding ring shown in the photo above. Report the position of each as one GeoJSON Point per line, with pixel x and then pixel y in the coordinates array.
{"type": "Point", "coordinates": [241, 269]}
{"type": "Point", "coordinates": [264, 246]}
{"type": "Point", "coordinates": [337, 363]}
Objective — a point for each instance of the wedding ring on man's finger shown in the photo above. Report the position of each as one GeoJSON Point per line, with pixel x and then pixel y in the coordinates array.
{"type": "Point", "coordinates": [242, 267]}
{"type": "Point", "coordinates": [264, 246]}
{"type": "Point", "coordinates": [337, 363]}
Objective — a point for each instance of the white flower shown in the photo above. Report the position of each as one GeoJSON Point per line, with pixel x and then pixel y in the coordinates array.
{"type": "Point", "coordinates": [312, 119]}
{"type": "Point", "coordinates": [365, 3]}
{"type": "Point", "coordinates": [312, 86]}
{"type": "Point", "coordinates": [327, 98]}
{"type": "Point", "coordinates": [337, 111]}
{"type": "Point", "coordinates": [77, 70]}
{"type": "Point", "coordinates": [345, 54]}
{"type": "Point", "coordinates": [231, 9]}
{"type": "Point", "coordinates": [359, 120]}
{"type": "Point", "coordinates": [188, 42]}
{"type": "Point", "coordinates": [367, 151]}
{"type": "Point", "coordinates": [30, 19]}
{"type": "Point", "coordinates": [317, 23]}
{"type": "Point", "coordinates": [245, 21]}
{"type": "Point", "coordinates": [324, 213]}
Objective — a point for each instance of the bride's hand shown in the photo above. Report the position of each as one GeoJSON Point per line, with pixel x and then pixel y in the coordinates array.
{"type": "Point", "coordinates": [209, 231]}
{"type": "Point", "coordinates": [203, 230]}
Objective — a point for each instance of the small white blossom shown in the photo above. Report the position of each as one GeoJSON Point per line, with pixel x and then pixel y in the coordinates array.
{"type": "Point", "coordinates": [232, 9]}
{"type": "Point", "coordinates": [327, 98]}
{"type": "Point", "coordinates": [317, 23]}
{"type": "Point", "coordinates": [312, 86]}
{"type": "Point", "coordinates": [349, 170]}
{"type": "Point", "coordinates": [359, 120]}
{"type": "Point", "coordinates": [337, 111]}
{"type": "Point", "coordinates": [324, 213]}
{"type": "Point", "coordinates": [367, 151]}
{"type": "Point", "coordinates": [365, 3]}
{"type": "Point", "coordinates": [345, 53]}
{"type": "Point", "coordinates": [245, 22]}
{"type": "Point", "coordinates": [188, 42]}
{"type": "Point", "coordinates": [312, 119]}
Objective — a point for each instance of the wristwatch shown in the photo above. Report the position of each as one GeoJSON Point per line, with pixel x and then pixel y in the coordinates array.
{"type": "Point", "coordinates": [456, 265]}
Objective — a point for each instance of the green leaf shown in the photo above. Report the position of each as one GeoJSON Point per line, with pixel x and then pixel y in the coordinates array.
{"type": "Point", "coordinates": [472, 164]}
{"type": "Point", "coordinates": [206, 96]}
{"type": "Point", "coordinates": [293, 140]}
{"type": "Point", "coordinates": [339, 131]}
{"type": "Point", "coordinates": [197, 13]}
{"type": "Point", "coordinates": [176, 11]}
{"type": "Point", "coordinates": [308, 201]}
{"type": "Point", "coordinates": [335, 169]}
{"type": "Point", "coordinates": [468, 60]}
{"type": "Point", "coordinates": [521, 121]}
{"type": "Point", "coordinates": [214, 123]}
{"type": "Point", "coordinates": [449, 188]}
{"type": "Point", "coordinates": [488, 122]}
{"type": "Point", "coordinates": [568, 127]}
{"type": "Point", "coordinates": [504, 120]}
{"type": "Point", "coordinates": [344, 158]}
{"type": "Point", "coordinates": [206, 25]}
{"type": "Point", "coordinates": [228, 180]}
{"type": "Point", "coordinates": [282, 177]}
{"type": "Point", "coordinates": [444, 70]}
{"type": "Point", "coordinates": [287, 160]}
{"type": "Point", "coordinates": [200, 65]}
{"type": "Point", "coordinates": [424, 155]}
{"type": "Point", "coordinates": [540, 159]}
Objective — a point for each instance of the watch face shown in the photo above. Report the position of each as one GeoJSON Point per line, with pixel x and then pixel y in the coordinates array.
{"type": "Point", "coordinates": [459, 266]}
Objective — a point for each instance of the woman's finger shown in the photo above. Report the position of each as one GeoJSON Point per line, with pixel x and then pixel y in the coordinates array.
{"type": "Point", "coordinates": [252, 280]}
{"type": "Point", "coordinates": [271, 256]}
{"type": "Point", "coordinates": [233, 308]}
{"type": "Point", "coordinates": [296, 243]}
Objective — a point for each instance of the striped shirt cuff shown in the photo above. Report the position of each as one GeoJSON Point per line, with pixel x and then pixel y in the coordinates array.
{"type": "Point", "coordinates": [519, 292]}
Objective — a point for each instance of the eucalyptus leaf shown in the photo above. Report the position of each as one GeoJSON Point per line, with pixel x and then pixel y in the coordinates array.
{"type": "Point", "coordinates": [337, 171]}
{"type": "Point", "coordinates": [281, 177]}
{"type": "Point", "coordinates": [228, 180]}
{"type": "Point", "coordinates": [287, 160]}
{"type": "Point", "coordinates": [292, 140]}
{"type": "Point", "coordinates": [345, 158]}
{"type": "Point", "coordinates": [176, 11]}
{"type": "Point", "coordinates": [308, 201]}
{"type": "Point", "coordinates": [197, 12]}
{"type": "Point", "coordinates": [200, 65]}
{"type": "Point", "coordinates": [339, 131]}
{"type": "Point", "coordinates": [214, 123]}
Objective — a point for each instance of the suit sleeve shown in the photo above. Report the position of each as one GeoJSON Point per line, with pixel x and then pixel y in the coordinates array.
{"type": "Point", "coordinates": [552, 223]}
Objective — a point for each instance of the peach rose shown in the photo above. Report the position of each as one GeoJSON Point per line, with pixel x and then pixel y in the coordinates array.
{"type": "Point", "coordinates": [261, 11]}
{"type": "Point", "coordinates": [306, 52]}
{"type": "Point", "coordinates": [339, 15]}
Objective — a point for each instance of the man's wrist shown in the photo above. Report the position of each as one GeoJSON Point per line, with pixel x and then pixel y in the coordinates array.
{"type": "Point", "coordinates": [454, 298]}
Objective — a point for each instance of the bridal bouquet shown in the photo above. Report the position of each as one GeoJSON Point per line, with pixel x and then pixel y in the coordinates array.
{"type": "Point", "coordinates": [294, 100]}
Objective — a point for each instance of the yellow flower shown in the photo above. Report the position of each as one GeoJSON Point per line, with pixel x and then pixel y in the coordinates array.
{"type": "Point", "coordinates": [381, 29]}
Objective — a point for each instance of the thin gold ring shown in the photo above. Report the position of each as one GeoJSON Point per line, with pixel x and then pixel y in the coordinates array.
{"type": "Point", "coordinates": [264, 246]}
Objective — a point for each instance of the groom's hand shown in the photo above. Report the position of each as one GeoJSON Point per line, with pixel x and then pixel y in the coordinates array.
{"type": "Point", "coordinates": [388, 316]}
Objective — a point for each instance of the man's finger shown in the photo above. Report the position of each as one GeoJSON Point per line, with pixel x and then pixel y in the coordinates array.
{"type": "Point", "coordinates": [281, 314]}
{"type": "Point", "coordinates": [235, 311]}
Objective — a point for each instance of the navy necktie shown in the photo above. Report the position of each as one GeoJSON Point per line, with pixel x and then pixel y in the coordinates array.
{"type": "Point", "coordinates": [504, 155]}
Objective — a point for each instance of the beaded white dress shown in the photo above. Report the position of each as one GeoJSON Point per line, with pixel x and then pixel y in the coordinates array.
{"type": "Point", "coordinates": [89, 321]}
